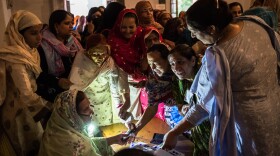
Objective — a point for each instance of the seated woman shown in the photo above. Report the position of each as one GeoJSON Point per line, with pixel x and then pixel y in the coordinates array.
{"type": "Point", "coordinates": [184, 64]}
{"type": "Point", "coordinates": [66, 132]}
{"type": "Point", "coordinates": [21, 107]}
{"type": "Point", "coordinates": [96, 73]}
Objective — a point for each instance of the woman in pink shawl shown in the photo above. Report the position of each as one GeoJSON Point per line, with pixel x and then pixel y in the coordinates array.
{"type": "Point", "coordinates": [57, 52]}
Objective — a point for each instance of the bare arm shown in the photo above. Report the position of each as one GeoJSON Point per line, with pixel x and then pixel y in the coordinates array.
{"type": "Point", "coordinates": [146, 117]}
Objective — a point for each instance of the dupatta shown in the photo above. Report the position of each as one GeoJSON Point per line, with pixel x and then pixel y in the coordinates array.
{"type": "Point", "coordinates": [126, 53]}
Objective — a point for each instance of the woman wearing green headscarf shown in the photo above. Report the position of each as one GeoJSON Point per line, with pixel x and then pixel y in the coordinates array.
{"type": "Point", "coordinates": [66, 132]}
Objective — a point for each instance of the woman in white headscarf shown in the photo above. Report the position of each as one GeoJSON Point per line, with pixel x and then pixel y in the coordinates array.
{"type": "Point", "coordinates": [66, 133]}
{"type": "Point", "coordinates": [21, 107]}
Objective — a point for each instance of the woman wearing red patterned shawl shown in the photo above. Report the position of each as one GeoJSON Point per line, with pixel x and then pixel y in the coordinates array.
{"type": "Point", "coordinates": [124, 40]}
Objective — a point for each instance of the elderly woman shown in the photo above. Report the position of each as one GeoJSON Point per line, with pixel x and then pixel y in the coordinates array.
{"type": "Point", "coordinates": [21, 107]}
{"type": "Point", "coordinates": [241, 103]}
{"type": "Point", "coordinates": [66, 132]}
{"type": "Point", "coordinates": [144, 11]}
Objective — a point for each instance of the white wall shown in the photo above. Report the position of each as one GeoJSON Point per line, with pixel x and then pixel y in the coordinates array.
{"type": "Point", "coordinates": [42, 8]}
{"type": "Point", "coordinates": [81, 7]}
{"type": "Point", "coordinates": [4, 16]}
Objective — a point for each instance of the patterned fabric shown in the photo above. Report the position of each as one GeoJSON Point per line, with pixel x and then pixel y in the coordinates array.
{"type": "Point", "coordinates": [126, 53]}
{"type": "Point", "coordinates": [65, 133]}
{"type": "Point", "coordinates": [55, 49]}
{"type": "Point", "coordinates": [236, 96]}
{"type": "Point", "coordinates": [16, 49]}
{"type": "Point", "coordinates": [145, 104]}
{"type": "Point", "coordinates": [199, 134]}
{"type": "Point", "coordinates": [159, 89]}
{"type": "Point", "coordinates": [96, 73]}
{"type": "Point", "coordinates": [21, 107]}
{"type": "Point", "coordinates": [172, 115]}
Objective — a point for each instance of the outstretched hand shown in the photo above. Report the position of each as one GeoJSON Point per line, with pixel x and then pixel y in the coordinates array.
{"type": "Point", "coordinates": [169, 141]}
{"type": "Point", "coordinates": [123, 139]}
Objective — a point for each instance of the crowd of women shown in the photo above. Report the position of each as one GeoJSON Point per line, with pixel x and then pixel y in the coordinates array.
{"type": "Point", "coordinates": [205, 73]}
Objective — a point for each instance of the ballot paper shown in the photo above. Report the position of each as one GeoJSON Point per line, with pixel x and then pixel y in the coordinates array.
{"type": "Point", "coordinates": [154, 149]}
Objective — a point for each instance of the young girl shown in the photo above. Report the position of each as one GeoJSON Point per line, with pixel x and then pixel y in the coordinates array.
{"type": "Point", "coordinates": [21, 107]}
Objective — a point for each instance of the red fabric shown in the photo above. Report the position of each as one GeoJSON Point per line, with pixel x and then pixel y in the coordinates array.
{"type": "Point", "coordinates": [144, 103]}
{"type": "Point", "coordinates": [145, 33]}
{"type": "Point", "coordinates": [126, 53]}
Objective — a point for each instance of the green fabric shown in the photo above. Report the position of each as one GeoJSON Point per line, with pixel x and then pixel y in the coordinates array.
{"type": "Point", "coordinates": [180, 88]}
{"type": "Point", "coordinates": [65, 134]}
{"type": "Point", "coordinates": [200, 134]}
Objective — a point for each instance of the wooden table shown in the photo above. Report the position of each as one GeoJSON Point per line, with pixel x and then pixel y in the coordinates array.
{"type": "Point", "coordinates": [146, 134]}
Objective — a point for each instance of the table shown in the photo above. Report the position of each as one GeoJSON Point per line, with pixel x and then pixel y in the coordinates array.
{"type": "Point", "coordinates": [146, 134]}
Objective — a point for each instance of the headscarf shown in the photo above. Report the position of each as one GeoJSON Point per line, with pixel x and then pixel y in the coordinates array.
{"type": "Point", "coordinates": [16, 49]}
{"type": "Point", "coordinates": [143, 21]}
{"type": "Point", "coordinates": [126, 53]}
{"type": "Point", "coordinates": [145, 33]}
{"type": "Point", "coordinates": [55, 49]}
{"type": "Point", "coordinates": [64, 134]}
{"type": "Point", "coordinates": [139, 6]}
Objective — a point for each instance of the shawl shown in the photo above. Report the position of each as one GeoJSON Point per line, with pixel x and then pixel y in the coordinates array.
{"type": "Point", "coordinates": [16, 49]}
{"type": "Point", "coordinates": [273, 35]}
{"type": "Point", "coordinates": [222, 138]}
{"type": "Point", "coordinates": [146, 22]}
{"type": "Point", "coordinates": [146, 32]}
{"type": "Point", "coordinates": [55, 49]}
{"type": "Point", "coordinates": [126, 53]}
{"type": "Point", "coordinates": [89, 65]}
{"type": "Point", "coordinates": [65, 134]}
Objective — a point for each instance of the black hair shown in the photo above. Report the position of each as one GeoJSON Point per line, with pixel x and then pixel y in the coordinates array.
{"type": "Point", "coordinates": [101, 7]}
{"type": "Point", "coordinates": [204, 13]}
{"type": "Point", "coordinates": [79, 98]}
{"type": "Point", "coordinates": [131, 15]}
{"type": "Point", "coordinates": [170, 29]}
{"type": "Point", "coordinates": [92, 11]}
{"type": "Point", "coordinates": [161, 48]}
{"type": "Point", "coordinates": [185, 51]}
{"type": "Point", "coordinates": [233, 4]}
{"type": "Point", "coordinates": [132, 151]}
{"type": "Point", "coordinates": [56, 18]}
{"type": "Point", "coordinates": [110, 15]}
